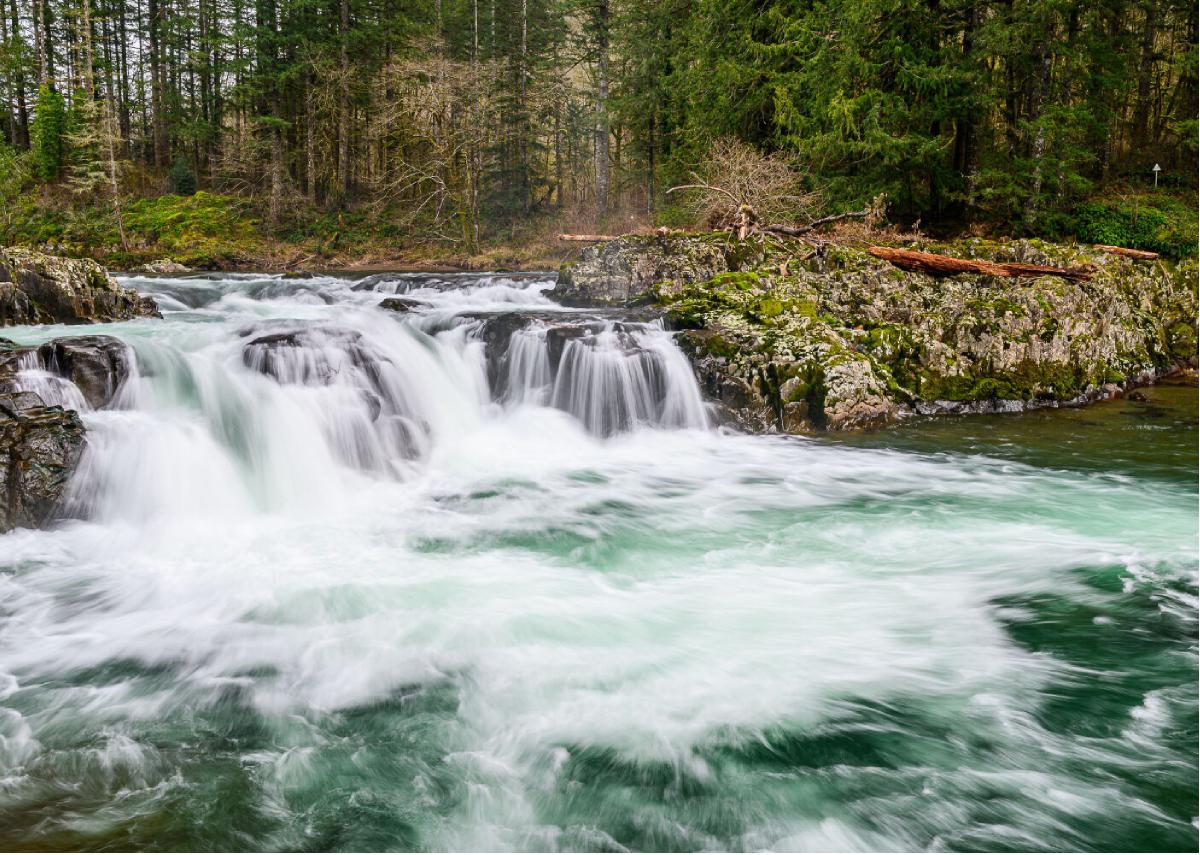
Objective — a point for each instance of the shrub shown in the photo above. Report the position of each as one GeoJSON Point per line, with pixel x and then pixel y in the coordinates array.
{"type": "Point", "coordinates": [735, 175]}
{"type": "Point", "coordinates": [1154, 224]}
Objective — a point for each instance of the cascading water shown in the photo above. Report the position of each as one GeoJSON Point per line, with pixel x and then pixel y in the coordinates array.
{"type": "Point", "coordinates": [481, 575]}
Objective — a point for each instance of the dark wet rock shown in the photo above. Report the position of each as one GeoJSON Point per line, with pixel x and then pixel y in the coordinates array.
{"type": "Point", "coordinates": [400, 304]}
{"type": "Point", "coordinates": [36, 288]}
{"type": "Point", "coordinates": [161, 267]}
{"type": "Point", "coordinates": [40, 447]}
{"type": "Point", "coordinates": [97, 364]}
{"type": "Point", "coordinates": [309, 355]}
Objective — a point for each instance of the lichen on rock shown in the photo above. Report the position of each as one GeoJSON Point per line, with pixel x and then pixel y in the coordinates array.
{"type": "Point", "coordinates": [789, 338]}
{"type": "Point", "coordinates": [36, 288]}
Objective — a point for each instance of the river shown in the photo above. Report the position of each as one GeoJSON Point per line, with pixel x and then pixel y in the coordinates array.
{"type": "Point", "coordinates": [483, 575]}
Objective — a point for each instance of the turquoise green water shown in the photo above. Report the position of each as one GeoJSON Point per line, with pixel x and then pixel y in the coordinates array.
{"type": "Point", "coordinates": [960, 634]}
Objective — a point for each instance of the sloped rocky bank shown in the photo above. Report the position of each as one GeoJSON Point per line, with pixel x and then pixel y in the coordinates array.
{"type": "Point", "coordinates": [785, 336]}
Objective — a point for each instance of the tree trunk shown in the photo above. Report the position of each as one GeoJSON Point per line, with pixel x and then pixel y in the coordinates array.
{"type": "Point", "coordinates": [344, 105]}
{"type": "Point", "coordinates": [1141, 108]}
{"type": "Point", "coordinates": [156, 17]}
{"type": "Point", "coordinates": [601, 130]}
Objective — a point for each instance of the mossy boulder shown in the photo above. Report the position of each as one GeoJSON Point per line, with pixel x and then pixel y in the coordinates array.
{"type": "Point", "coordinates": [36, 288]}
{"type": "Point", "coordinates": [838, 339]}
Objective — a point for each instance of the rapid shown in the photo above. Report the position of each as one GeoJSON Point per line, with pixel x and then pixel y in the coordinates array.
{"type": "Point", "coordinates": [483, 573]}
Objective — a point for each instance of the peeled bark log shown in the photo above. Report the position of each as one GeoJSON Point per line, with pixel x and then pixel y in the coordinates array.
{"type": "Point", "coordinates": [587, 238]}
{"type": "Point", "coordinates": [1128, 253]}
{"type": "Point", "coordinates": [932, 264]}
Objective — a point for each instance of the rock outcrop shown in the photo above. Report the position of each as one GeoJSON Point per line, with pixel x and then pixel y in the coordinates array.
{"type": "Point", "coordinates": [36, 288]}
{"type": "Point", "coordinates": [627, 271]}
{"type": "Point", "coordinates": [42, 387]}
{"type": "Point", "coordinates": [793, 339]}
{"type": "Point", "coordinates": [161, 267]}
{"type": "Point", "coordinates": [39, 449]}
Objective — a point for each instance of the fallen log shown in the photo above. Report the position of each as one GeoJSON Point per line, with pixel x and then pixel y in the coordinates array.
{"type": "Point", "coordinates": [932, 264]}
{"type": "Point", "coordinates": [1128, 253]}
{"type": "Point", "coordinates": [587, 238]}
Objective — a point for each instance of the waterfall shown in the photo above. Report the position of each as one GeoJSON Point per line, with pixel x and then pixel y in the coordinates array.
{"type": "Point", "coordinates": [297, 390]}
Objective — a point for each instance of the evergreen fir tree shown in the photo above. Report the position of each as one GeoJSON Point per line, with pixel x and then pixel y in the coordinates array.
{"type": "Point", "coordinates": [47, 134]}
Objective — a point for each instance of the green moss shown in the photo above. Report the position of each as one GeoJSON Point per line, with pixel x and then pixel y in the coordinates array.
{"type": "Point", "coordinates": [1027, 380]}
{"type": "Point", "coordinates": [737, 281]}
{"type": "Point", "coordinates": [1181, 340]}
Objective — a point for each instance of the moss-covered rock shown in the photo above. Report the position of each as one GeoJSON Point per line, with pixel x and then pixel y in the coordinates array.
{"type": "Point", "coordinates": [838, 339]}
{"type": "Point", "coordinates": [36, 288]}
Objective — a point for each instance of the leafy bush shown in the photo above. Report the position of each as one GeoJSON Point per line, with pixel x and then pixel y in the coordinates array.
{"type": "Point", "coordinates": [1157, 224]}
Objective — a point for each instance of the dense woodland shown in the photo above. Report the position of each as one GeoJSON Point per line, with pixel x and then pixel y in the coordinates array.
{"type": "Point", "coordinates": [452, 119]}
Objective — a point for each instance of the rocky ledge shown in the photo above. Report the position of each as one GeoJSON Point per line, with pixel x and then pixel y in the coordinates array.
{"type": "Point", "coordinates": [36, 288]}
{"type": "Point", "coordinates": [787, 337]}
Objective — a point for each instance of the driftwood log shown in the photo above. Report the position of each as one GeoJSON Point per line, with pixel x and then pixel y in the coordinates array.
{"type": "Point", "coordinates": [943, 265]}
{"type": "Point", "coordinates": [1128, 253]}
{"type": "Point", "coordinates": [587, 238]}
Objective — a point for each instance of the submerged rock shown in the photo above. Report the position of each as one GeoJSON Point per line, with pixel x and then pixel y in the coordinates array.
{"type": "Point", "coordinates": [400, 304]}
{"type": "Point", "coordinates": [39, 449]}
{"type": "Point", "coordinates": [795, 340]}
{"type": "Point", "coordinates": [36, 288]}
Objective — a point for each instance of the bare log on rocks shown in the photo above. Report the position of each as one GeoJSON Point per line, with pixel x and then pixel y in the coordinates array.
{"type": "Point", "coordinates": [1128, 253]}
{"type": "Point", "coordinates": [587, 238]}
{"type": "Point", "coordinates": [932, 264]}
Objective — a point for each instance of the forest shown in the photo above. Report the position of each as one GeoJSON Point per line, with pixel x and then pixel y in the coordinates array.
{"type": "Point", "coordinates": [459, 123]}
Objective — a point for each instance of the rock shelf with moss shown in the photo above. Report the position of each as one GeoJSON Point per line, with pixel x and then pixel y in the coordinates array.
{"type": "Point", "coordinates": [785, 337]}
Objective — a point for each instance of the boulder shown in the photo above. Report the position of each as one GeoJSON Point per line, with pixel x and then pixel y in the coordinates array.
{"type": "Point", "coordinates": [400, 305]}
{"type": "Point", "coordinates": [628, 271]}
{"type": "Point", "coordinates": [36, 288]}
{"type": "Point", "coordinates": [97, 364]}
{"type": "Point", "coordinates": [39, 449]}
{"type": "Point", "coordinates": [162, 267]}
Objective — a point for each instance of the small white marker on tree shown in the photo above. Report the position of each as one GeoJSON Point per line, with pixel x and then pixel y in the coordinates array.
{"type": "Point", "coordinates": [1157, 169]}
